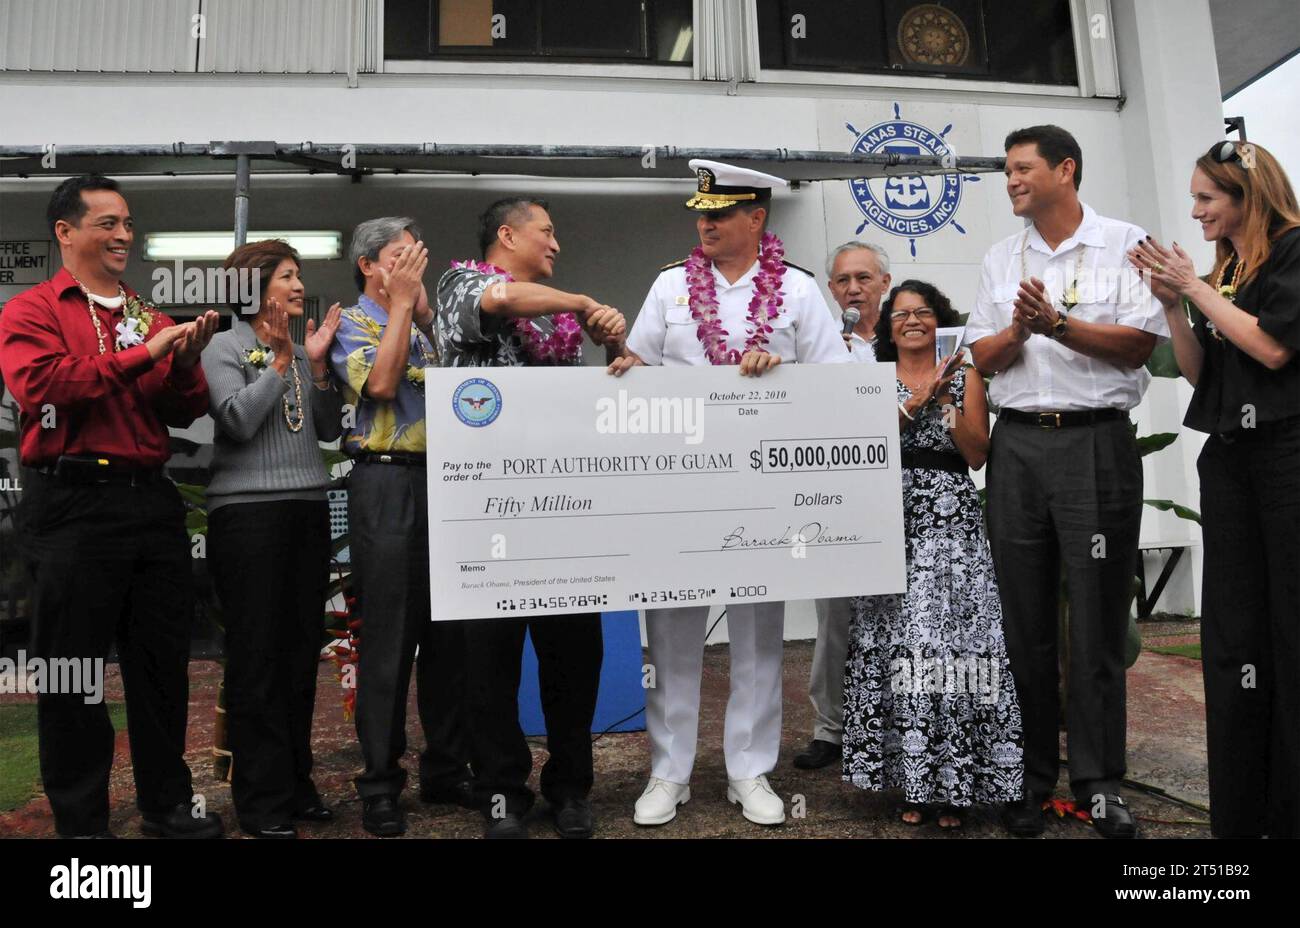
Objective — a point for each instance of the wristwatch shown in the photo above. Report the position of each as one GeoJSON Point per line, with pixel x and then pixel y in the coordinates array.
{"type": "Point", "coordinates": [1058, 327]}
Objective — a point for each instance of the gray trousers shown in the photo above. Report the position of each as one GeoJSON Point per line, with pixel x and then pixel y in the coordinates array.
{"type": "Point", "coordinates": [826, 679]}
{"type": "Point", "coordinates": [388, 513]}
{"type": "Point", "coordinates": [1067, 499]}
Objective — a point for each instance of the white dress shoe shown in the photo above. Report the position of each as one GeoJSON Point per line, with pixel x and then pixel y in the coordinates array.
{"type": "Point", "coordinates": [757, 800]}
{"type": "Point", "coordinates": [658, 804]}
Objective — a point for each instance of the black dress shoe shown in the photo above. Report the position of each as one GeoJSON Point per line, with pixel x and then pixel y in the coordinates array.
{"type": "Point", "coordinates": [573, 819]}
{"type": "Point", "coordinates": [180, 822]}
{"type": "Point", "coordinates": [381, 817]}
{"type": "Point", "coordinates": [316, 812]}
{"type": "Point", "coordinates": [460, 793]}
{"type": "Point", "coordinates": [508, 826]}
{"type": "Point", "coordinates": [1024, 817]}
{"type": "Point", "coordinates": [1114, 819]}
{"type": "Point", "coordinates": [819, 754]}
{"type": "Point", "coordinates": [271, 831]}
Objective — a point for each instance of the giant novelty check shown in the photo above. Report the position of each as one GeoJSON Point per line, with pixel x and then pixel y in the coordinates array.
{"type": "Point", "coordinates": [556, 490]}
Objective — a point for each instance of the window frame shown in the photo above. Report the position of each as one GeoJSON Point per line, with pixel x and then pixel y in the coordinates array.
{"type": "Point", "coordinates": [587, 65]}
{"type": "Point", "coordinates": [1095, 65]}
{"type": "Point", "coordinates": [1086, 66]}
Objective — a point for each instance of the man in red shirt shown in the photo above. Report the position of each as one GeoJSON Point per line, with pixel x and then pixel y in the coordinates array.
{"type": "Point", "coordinates": [98, 376]}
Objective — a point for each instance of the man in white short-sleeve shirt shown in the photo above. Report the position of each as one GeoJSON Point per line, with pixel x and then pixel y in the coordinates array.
{"type": "Point", "coordinates": [858, 276]}
{"type": "Point", "coordinates": [1067, 328]}
{"type": "Point", "coordinates": [714, 320]}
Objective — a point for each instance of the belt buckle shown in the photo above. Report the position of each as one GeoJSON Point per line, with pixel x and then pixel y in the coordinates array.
{"type": "Point", "coordinates": [1049, 420]}
{"type": "Point", "coordinates": [385, 459]}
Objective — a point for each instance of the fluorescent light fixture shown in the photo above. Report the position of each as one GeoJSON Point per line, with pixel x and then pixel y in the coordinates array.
{"type": "Point", "coordinates": [214, 246]}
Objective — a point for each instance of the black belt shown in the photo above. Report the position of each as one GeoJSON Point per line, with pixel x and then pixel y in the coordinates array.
{"type": "Point", "coordinates": [400, 458]}
{"type": "Point", "coordinates": [929, 459]}
{"type": "Point", "coordinates": [1061, 420]}
{"type": "Point", "coordinates": [98, 470]}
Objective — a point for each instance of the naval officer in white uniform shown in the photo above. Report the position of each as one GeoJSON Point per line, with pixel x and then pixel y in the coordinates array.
{"type": "Point", "coordinates": [701, 311]}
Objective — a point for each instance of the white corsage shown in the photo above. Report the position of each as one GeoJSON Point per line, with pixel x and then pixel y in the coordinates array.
{"type": "Point", "coordinates": [130, 332]}
{"type": "Point", "coordinates": [137, 317]}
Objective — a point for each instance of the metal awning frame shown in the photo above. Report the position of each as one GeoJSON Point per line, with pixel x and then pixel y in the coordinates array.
{"type": "Point", "coordinates": [243, 159]}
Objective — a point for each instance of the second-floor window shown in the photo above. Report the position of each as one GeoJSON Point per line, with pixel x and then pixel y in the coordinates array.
{"type": "Point", "coordinates": [1020, 41]}
{"type": "Point", "coordinates": [646, 31]}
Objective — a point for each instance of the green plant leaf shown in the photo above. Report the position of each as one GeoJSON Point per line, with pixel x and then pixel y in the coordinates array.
{"type": "Point", "coordinates": [1132, 643]}
{"type": "Point", "coordinates": [1149, 444]}
{"type": "Point", "coordinates": [1162, 363]}
{"type": "Point", "coordinates": [1168, 505]}
{"type": "Point", "coordinates": [196, 522]}
{"type": "Point", "coordinates": [193, 494]}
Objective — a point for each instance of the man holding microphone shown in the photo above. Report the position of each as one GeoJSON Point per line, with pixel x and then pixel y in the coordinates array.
{"type": "Point", "coordinates": [858, 275]}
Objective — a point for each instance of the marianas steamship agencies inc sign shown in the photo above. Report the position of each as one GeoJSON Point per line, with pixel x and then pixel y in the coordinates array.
{"type": "Point", "coordinates": [908, 205]}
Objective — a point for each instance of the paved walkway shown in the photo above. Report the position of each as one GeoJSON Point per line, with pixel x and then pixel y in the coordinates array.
{"type": "Point", "coordinates": [1166, 746]}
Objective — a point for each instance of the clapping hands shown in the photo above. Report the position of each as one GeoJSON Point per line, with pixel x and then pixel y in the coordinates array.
{"type": "Point", "coordinates": [1169, 272]}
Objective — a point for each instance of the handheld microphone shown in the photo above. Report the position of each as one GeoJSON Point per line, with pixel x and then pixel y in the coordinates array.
{"type": "Point", "coordinates": [851, 317]}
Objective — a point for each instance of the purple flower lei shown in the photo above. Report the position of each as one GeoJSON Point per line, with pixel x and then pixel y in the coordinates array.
{"type": "Point", "coordinates": [562, 346]}
{"type": "Point", "coordinates": [763, 307]}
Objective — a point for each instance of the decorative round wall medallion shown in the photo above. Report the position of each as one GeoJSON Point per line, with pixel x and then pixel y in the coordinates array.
{"type": "Point", "coordinates": [931, 35]}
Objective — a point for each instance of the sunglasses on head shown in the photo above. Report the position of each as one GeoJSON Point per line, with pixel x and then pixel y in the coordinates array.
{"type": "Point", "coordinates": [1223, 152]}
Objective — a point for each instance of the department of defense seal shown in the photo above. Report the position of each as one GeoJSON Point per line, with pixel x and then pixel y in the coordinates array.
{"type": "Point", "coordinates": [476, 402]}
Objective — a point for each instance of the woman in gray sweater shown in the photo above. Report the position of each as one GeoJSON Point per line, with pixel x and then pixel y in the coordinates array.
{"type": "Point", "coordinates": [268, 537]}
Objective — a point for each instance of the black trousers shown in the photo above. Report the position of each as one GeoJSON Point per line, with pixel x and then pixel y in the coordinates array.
{"type": "Point", "coordinates": [1067, 499]}
{"type": "Point", "coordinates": [1250, 630]}
{"type": "Point", "coordinates": [270, 564]}
{"type": "Point", "coordinates": [110, 564]}
{"type": "Point", "coordinates": [388, 514]}
{"type": "Point", "coordinates": [569, 649]}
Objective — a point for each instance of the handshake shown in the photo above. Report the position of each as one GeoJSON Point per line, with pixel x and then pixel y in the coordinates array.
{"type": "Point", "coordinates": [603, 324]}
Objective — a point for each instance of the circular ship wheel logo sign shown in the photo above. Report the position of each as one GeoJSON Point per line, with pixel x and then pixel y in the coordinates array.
{"type": "Point", "coordinates": [907, 205]}
{"type": "Point", "coordinates": [476, 402]}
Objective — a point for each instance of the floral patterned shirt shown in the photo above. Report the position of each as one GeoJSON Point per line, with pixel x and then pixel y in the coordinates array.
{"type": "Point", "coordinates": [378, 426]}
{"type": "Point", "coordinates": [468, 337]}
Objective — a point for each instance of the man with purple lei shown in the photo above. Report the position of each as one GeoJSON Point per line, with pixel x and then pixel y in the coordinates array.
{"type": "Point", "coordinates": [497, 313]}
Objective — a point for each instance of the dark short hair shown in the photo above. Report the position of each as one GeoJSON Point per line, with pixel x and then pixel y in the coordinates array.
{"type": "Point", "coordinates": [265, 257]}
{"type": "Point", "coordinates": [504, 212]}
{"type": "Point", "coordinates": [764, 202]}
{"type": "Point", "coordinates": [944, 314]}
{"type": "Point", "coordinates": [66, 203]}
{"type": "Point", "coordinates": [1054, 144]}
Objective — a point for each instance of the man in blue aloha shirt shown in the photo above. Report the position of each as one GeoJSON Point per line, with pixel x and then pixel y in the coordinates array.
{"type": "Point", "coordinates": [383, 345]}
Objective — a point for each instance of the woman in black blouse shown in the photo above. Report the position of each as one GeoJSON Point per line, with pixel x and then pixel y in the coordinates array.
{"type": "Point", "coordinates": [1239, 353]}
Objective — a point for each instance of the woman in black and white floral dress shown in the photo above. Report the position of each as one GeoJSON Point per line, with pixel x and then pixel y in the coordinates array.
{"type": "Point", "coordinates": [929, 704]}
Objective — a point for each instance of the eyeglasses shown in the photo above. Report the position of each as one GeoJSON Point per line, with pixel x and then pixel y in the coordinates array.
{"type": "Point", "coordinates": [1224, 152]}
{"type": "Point", "coordinates": [921, 312]}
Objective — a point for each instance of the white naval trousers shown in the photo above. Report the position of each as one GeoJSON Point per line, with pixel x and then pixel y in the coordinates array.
{"type": "Point", "coordinates": [751, 738]}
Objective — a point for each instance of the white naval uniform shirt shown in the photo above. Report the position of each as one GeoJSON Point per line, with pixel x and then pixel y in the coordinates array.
{"type": "Point", "coordinates": [1048, 376]}
{"type": "Point", "coordinates": [803, 331]}
{"type": "Point", "coordinates": [860, 349]}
